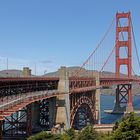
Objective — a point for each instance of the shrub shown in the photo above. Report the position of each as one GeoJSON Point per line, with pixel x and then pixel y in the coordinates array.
{"type": "Point", "coordinates": [127, 129]}
{"type": "Point", "coordinates": [88, 133]}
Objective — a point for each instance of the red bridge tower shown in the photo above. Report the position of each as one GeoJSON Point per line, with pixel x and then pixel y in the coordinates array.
{"type": "Point", "coordinates": [123, 91]}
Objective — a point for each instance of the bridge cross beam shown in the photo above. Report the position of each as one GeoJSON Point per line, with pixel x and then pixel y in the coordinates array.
{"type": "Point", "coordinates": [127, 95]}
{"type": "Point", "coordinates": [123, 97]}
{"type": "Point", "coordinates": [123, 92]}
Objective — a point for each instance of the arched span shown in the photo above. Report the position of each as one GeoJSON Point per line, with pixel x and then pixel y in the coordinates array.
{"type": "Point", "coordinates": [82, 100]}
{"type": "Point", "coordinates": [28, 98]}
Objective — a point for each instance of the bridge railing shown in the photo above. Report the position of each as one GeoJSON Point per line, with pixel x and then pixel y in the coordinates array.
{"type": "Point", "coordinates": [13, 86]}
{"type": "Point", "coordinates": [8, 101]}
{"type": "Point", "coordinates": [81, 82]}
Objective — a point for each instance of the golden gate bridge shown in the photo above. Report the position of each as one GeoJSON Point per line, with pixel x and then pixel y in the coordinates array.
{"type": "Point", "coordinates": [28, 96]}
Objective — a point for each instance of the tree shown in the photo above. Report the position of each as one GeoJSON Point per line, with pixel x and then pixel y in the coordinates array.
{"type": "Point", "coordinates": [40, 136]}
{"type": "Point", "coordinates": [88, 133]}
{"type": "Point", "coordinates": [71, 133]}
{"type": "Point", "coordinates": [127, 129]}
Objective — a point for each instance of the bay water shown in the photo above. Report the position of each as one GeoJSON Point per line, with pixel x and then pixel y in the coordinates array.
{"type": "Point", "coordinates": [107, 103]}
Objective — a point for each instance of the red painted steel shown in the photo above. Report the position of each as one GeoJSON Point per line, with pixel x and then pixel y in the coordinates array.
{"type": "Point", "coordinates": [121, 61]}
{"type": "Point", "coordinates": [78, 102]}
{"type": "Point", "coordinates": [25, 85]}
{"type": "Point", "coordinates": [124, 61]}
{"type": "Point", "coordinates": [11, 108]}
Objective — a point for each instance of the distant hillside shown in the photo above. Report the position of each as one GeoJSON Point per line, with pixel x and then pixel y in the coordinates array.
{"type": "Point", "coordinates": [83, 73]}
{"type": "Point", "coordinates": [11, 73]}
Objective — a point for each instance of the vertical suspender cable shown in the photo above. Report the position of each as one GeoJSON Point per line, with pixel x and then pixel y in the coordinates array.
{"type": "Point", "coordinates": [135, 45]}
{"type": "Point", "coordinates": [99, 44]}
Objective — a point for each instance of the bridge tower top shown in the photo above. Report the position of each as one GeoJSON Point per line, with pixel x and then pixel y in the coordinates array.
{"type": "Point", "coordinates": [125, 43]}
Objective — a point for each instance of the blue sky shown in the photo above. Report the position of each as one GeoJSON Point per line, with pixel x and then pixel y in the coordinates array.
{"type": "Point", "coordinates": [52, 33]}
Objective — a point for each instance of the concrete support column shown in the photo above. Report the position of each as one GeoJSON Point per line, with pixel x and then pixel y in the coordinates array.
{"type": "Point", "coordinates": [35, 114]}
{"type": "Point", "coordinates": [29, 121]}
{"type": "Point", "coordinates": [63, 102]}
{"type": "Point", "coordinates": [26, 72]}
{"type": "Point", "coordinates": [52, 111]}
{"type": "Point", "coordinates": [97, 100]}
{"type": "Point", "coordinates": [129, 107]}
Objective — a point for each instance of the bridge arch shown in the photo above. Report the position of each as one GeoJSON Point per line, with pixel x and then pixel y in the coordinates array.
{"type": "Point", "coordinates": [12, 124]}
{"type": "Point", "coordinates": [23, 101]}
{"type": "Point", "coordinates": [83, 100]}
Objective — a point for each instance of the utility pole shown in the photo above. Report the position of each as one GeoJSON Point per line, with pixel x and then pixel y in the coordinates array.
{"type": "Point", "coordinates": [7, 63]}
{"type": "Point", "coordinates": [35, 69]}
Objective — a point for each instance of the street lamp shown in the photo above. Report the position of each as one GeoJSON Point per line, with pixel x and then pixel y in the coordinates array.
{"type": "Point", "coordinates": [45, 71]}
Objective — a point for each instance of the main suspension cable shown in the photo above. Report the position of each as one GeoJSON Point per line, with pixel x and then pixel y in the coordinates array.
{"type": "Point", "coordinates": [108, 58]}
{"type": "Point", "coordinates": [97, 47]}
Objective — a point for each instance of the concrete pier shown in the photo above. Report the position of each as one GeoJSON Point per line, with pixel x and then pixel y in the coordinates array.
{"type": "Point", "coordinates": [35, 114]}
{"type": "Point", "coordinates": [97, 96]}
{"type": "Point", "coordinates": [63, 103]}
{"type": "Point", "coordinates": [52, 111]}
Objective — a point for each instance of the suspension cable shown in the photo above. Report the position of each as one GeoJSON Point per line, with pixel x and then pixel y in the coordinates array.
{"type": "Point", "coordinates": [113, 51]}
{"type": "Point", "coordinates": [135, 45]}
{"type": "Point", "coordinates": [108, 59]}
{"type": "Point", "coordinates": [99, 44]}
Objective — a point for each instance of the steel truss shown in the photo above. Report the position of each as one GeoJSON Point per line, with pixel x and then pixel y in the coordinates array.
{"type": "Point", "coordinates": [44, 113]}
{"type": "Point", "coordinates": [18, 124]}
{"type": "Point", "coordinates": [15, 86]}
{"type": "Point", "coordinates": [85, 102]}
